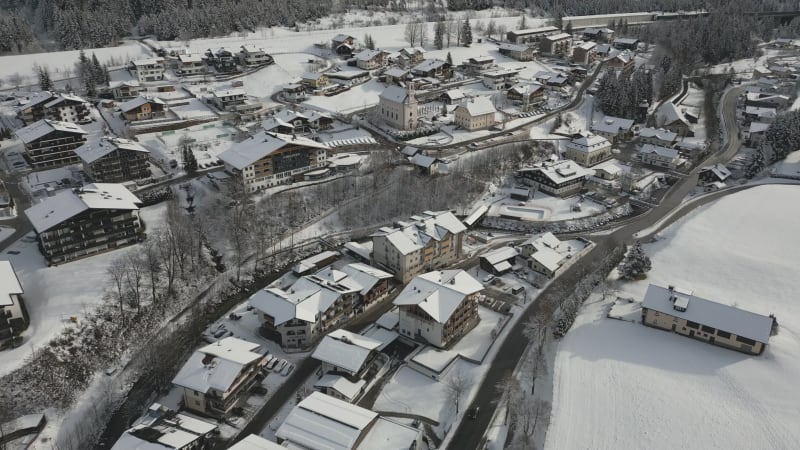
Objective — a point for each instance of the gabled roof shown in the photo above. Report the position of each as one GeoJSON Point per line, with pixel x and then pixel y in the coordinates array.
{"type": "Point", "coordinates": [665, 152]}
{"type": "Point", "coordinates": [395, 94]}
{"type": "Point", "coordinates": [526, 88]}
{"type": "Point", "coordinates": [477, 106]}
{"type": "Point", "coordinates": [507, 46]}
{"type": "Point", "coordinates": [346, 350]}
{"type": "Point", "coordinates": [499, 255]}
{"type": "Point", "coordinates": [190, 57]}
{"type": "Point", "coordinates": [367, 55]}
{"type": "Point", "coordinates": [482, 59]}
{"type": "Point", "coordinates": [408, 237]}
{"type": "Point", "coordinates": [611, 124]}
{"type": "Point", "coordinates": [42, 128]}
{"type": "Point", "coordinates": [251, 48]}
{"type": "Point", "coordinates": [312, 75]}
{"type": "Point", "coordinates": [92, 151]}
{"type": "Point", "coordinates": [668, 114]}
{"type": "Point", "coordinates": [589, 142]}
{"type": "Point", "coordinates": [34, 99]}
{"type": "Point", "coordinates": [396, 72]}
{"type": "Point", "coordinates": [147, 61]}
{"type": "Point", "coordinates": [323, 422]}
{"type": "Point", "coordinates": [719, 170]}
{"type": "Point", "coordinates": [69, 203]}
{"type": "Point", "coordinates": [217, 366]}
{"type": "Point", "coordinates": [60, 98]}
{"type": "Point", "coordinates": [658, 133]}
{"type": "Point", "coordinates": [9, 283]}
{"type": "Point", "coordinates": [256, 442]}
{"type": "Point", "coordinates": [428, 65]}
{"type": "Point", "coordinates": [587, 46]}
{"type": "Point", "coordinates": [422, 160]}
{"type": "Point", "coordinates": [758, 127]}
{"type": "Point", "coordinates": [263, 144]}
{"type": "Point", "coordinates": [342, 385]}
{"type": "Point", "coordinates": [549, 258]}
{"type": "Point", "coordinates": [559, 171]}
{"type": "Point", "coordinates": [558, 37]}
{"type": "Point", "coordinates": [342, 37]}
{"type": "Point", "coordinates": [439, 293]}
{"type": "Point", "coordinates": [138, 102]}
{"type": "Point", "coordinates": [706, 312]}
{"type": "Point", "coordinates": [364, 275]}
{"type": "Point", "coordinates": [229, 93]}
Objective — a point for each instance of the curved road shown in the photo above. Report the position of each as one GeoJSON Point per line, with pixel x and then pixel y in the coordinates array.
{"type": "Point", "coordinates": [470, 433]}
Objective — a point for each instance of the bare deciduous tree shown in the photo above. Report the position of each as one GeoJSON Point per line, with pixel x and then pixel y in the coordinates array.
{"type": "Point", "coordinates": [134, 276]}
{"type": "Point", "coordinates": [116, 270]}
{"type": "Point", "coordinates": [412, 32]}
{"type": "Point", "coordinates": [457, 385]}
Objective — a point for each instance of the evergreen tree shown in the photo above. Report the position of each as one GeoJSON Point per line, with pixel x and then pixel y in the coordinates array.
{"type": "Point", "coordinates": [523, 21]}
{"type": "Point", "coordinates": [97, 70]}
{"type": "Point", "coordinates": [369, 42]}
{"type": "Point", "coordinates": [449, 59]}
{"type": "Point", "coordinates": [756, 165]}
{"type": "Point", "coordinates": [466, 33]}
{"type": "Point", "coordinates": [636, 264]}
{"type": "Point", "coordinates": [568, 28]}
{"type": "Point", "coordinates": [45, 83]}
{"type": "Point", "coordinates": [189, 160]}
{"type": "Point", "coordinates": [438, 34]}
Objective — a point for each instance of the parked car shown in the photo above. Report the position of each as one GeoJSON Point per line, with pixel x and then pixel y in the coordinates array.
{"type": "Point", "coordinates": [287, 370]}
{"type": "Point", "coordinates": [281, 364]}
{"type": "Point", "coordinates": [473, 413]}
{"type": "Point", "coordinates": [271, 365]}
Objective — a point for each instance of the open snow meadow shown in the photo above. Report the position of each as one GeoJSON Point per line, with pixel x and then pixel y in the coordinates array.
{"type": "Point", "coordinates": [619, 384]}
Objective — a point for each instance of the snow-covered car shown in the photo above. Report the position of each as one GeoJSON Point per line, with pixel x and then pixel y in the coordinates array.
{"type": "Point", "coordinates": [271, 365]}
{"type": "Point", "coordinates": [281, 364]}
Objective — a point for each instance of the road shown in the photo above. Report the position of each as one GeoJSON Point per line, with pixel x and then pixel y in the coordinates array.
{"type": "Point", "coordinates": [469, 433]}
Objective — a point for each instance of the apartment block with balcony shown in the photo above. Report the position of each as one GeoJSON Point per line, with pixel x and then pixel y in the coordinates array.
{"type": "Point", "coordinates": [151, 69]}
{"type": "Point", "coordinates": [439, 307]}
{"type": "Point", "coordinates": [114, 160]}
{"type": "Point", "coordinates": [51, 144]}
{"type": "Point", "coordinates": [93, 219]}
{"type": "Point", "coordinates": [217, 377]}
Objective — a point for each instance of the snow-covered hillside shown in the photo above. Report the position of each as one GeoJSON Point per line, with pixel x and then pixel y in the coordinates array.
{"type": "Point", "coordinates": [622, 385]}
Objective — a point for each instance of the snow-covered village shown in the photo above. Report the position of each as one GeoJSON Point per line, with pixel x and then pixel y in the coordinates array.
{"type": "Point", "coordinates": [399, 224]}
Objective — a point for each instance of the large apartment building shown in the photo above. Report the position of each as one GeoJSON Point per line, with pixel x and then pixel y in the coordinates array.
{"type": "Point", "coordinates": [78, 223]}
{"type": "Point", "coordinates": [59, 107]}
{"type": "Point", "coordinates": [114, 160]}
{"type": "Point", "coordinates": [51, 144]}
{"type": "Point", "coordinates": [559, 178]}
{"type": "Point", "coordinates": [269, 159]}
{"type": "Point", "coordinates": [151, 69]}
{"type": "Point", "coordinates": [428, 241]}
{"type": "Point", "coordinates": [439, 307]}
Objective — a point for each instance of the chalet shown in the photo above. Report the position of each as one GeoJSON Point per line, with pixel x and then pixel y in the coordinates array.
{"type": "Point", "coordinates": [252, 56]}
{"type": "Point", "coordinates": [585, 53]}
{"type": "Point", "coordinates": [433, 68]}
{"type": "Point", "coordinates": [556, 44]}
{"type": "Point", "coordinates": [428, 241]}
{"type": "Point", "coordinates": [370, 59]}
{"type": "Point", "coordinates": [161, 428]}
{"type": "Point", "coordinates": [604, 50]}
{"type": "Point", "coordinates": [783, 43]}
{"type": "Point", "coordinates": [439, 307]}
{"type": "Point", "coordinates": [322, 422]}
{"type": "Point", "coordinates": [294, 92]}
{"type": "Point", "coordinates": [222, 60]}
{"type": "Point", "coordinates": [125, 90]}
{"type": "Point", "coordinates": [475, 114]}
{"type": "Point", "coordinates": [598, 34]}
{"type": "Point", "coordinates": [287, 121]}
{"type": "Point", "coordinates": [498, 261]}
{"type": "Point", "coordinates": [12, 320]}
{"type": "Point", "coordinates": [669, 117]}
{"type": "Point", "coordinates": [500, 79]}
{"type": "Point", "coordinates": [478, 64]}
{"type": "Point", "coordinates": [762, 100]}
{"type": "Point", "coordinates": [191, 64]}
{"type": "Point", "coordinates": [341, 387]}
{"type": "Point", "coordinates": [428, 165]}
{"type": "Point", "coordinates": [608, 172]}
{"type": "Point", "coordinates": [453, 96]}
{"type": "Point", "coordinates": [626, 43]}
{"type": "Point", "coordinates": [589, 149]}
{"type": "Point", "coordinates": [561, 178]}
{"type": "Point", "coordinates": [410, 56]}
{"type": "Point", "coordinates": [146, 70]}
{"type": "Point", "coordinates": [551, 79]}
{"type": "Point", "coordinates": [235, 101]}
{"type": "Point", "coordinates": [343, 44]}
{"type": "Point", "coordinates": [77, 223]}
{"type": "Point", "coordinates": [680, 311]}
{"type": "Point", "coordinates": [218, 377]}
{"type": "Point", "coordinates": [517, 51]}
{"type": "Point", "coordinates": [539, 242]}
{"type": "Point", "coordinates": [143, 108]}
{"type": "Point", "coordinates": [755, 133]}
{"type": "Point", "coordinates": [530, 35]}
{"type": "Point", "coordinates": [114, 160]}
{"type": "Point", "coordinates": [658, 136]}
{"type": "Point", "coordinates": [653, 155]}
{"type": "Point", "coordinates": [526, 96]}
{"type": "Point", "coordinates": [395, 75]}
{"type": "Point", "coordinates": [51, 144]}
{"type": "Point", "coordinates": [615, 129]}
{"type": "Point", "coordinates": [398, 107]}
{"type": "Point", "coordinates": [347, 353]}
{"type": "Point", "coordinates": [269, 159]}
{"type": "Point", "coordinates": [760, 114]}
{"type": "Point", "coordinates": [57, 107]}
{"type": "Point", "coordinates": [717, 173]}
{"type": "Point", "coordinates": [623, 61]}
{"type": "Point", "coordinates": [314, 80]}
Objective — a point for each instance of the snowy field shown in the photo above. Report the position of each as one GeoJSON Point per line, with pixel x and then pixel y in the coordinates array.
{"type": "Point", "coordinates": [789, 167]}
{"type": "Point", "coordinates": [53, 294]}
{"type": "Point", "coordinates": [622, 385]}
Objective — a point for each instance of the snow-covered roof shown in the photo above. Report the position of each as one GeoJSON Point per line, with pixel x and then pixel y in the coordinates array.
{"type": "Point", "coordinates": [389, 319]}
{"type": "Point", "coordinates": [251, 48]}
{"type": "Point", "coordinates": [611, 124]}
{"type": "Point", "coordinates": [547, 29]}
{"type": "Point", "coordinates": [660, 151]}
{"type": "Point", "coordinates": [367, 55]}
{"type": "Point", "coordinates": [412, 50]}
{"type": "Point", "coordinates": [147, 61]}
{"type": "Point", "coordinates": [439, 293]}
{"type": "Point", "coordinates": [760, 111]}
{"type": "Point", "coordinates": [34, 99]}
{"type": "Point", "coordinates": [548, 258]}
{"type": "Point", "coordinates": [706, 312]}
{"type": "Point", "coordinates": [312, 262]}
{"type": "Point", "coordinates": [394, 94]}
{"type": "Point", "coordinates": [587, 46]}
{"type": "Point", "coordinates": [512, 47]}
{"type": "Point", "coordinates": [658, 133]}
{"type": "Point", "coordinates": [364, 275]}
{"type": "Point", "coordinates": [386, 434]}
{"type": "Point", "coordinates": [396, 72]}
{"type": "Point", "coordinates": [499, 255]}
{"type": "Point", "coordinates": [428, 65]}
{"type": "Point", "coordinates": [454, 94]}
{"type": "Point", "coordinates": [94, 150]}
{"type": "Point", "coordinates": [526, 88]}
{"type": "Point", "coordinates": [719, 170]}
{"type": "Point", "coordinates": [482, 59]}
{"type": "Point", "coordinates": [263, 144]}
{"type": "Point", "coordinates": [346, 350]}
{"type": "Point", "coordinates": [558, 37]}
{"type": "Point", "coordinates": [358, 248]}
{"type": "Point", "coordinates": [545, 240]}
{"type": "Point", "coordinates": [627, 41]}
{"type": "Point", "coordinates": [256, 442]}
{"type": "Point", "coordinates": [589, 142]}
{"type": "Point", "coordinates": [323, 422]}
{"type": "Point", "coordinates": [69, 203]}
{"type": "Point", "coordinates": [42, 128]}
{"type": "Point", "coordinates": [229, 93]}
{"type": "Point", "coordinates": [758, 127]}
{"type": "Point", "coordinates": [668, 113]}
{"type": "Point", "coordinates": [342, 37]}
{"type": "Point", "coordinates": [559, 171]}
{"type": "Point", "coordinates": [190, 58]}
{"type": "Point", "coordinates": [593, 30]}
{"type": "Point", "coordinates": [501, 73]}
{"type": "Point", "coordinates": [217, 366]}
{"type": "Point", "coordinates": [162, 428]}
{"type": "Point", "coordinates": [342, 385]}
{"type": "Point", "coordinates": [422, 160]}
{"type": "Point", "coordinates": [137, 102]}
{"type": "Point", "coordinates": [475, 215]}
{"type": "Point", "coordinates": [409, 237]}
{"type": "Point", "coordinates": [63, 98]}
{"type": "Point", "coordinates": [9, 283]}
{"type": "Point", "coordinates": [312, 75]}
{"type": "Point", "coordinates": [477, 106]}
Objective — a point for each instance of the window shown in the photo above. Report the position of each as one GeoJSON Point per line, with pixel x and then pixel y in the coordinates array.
{"type": "Point", "coordinates": [691, 324]}
{"type": "Point", "coordinates": [724, 334]}
{"type": "Point", "coordinates": [706, 329]}
{"type": "Point", "coordinates": [745, 340]}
